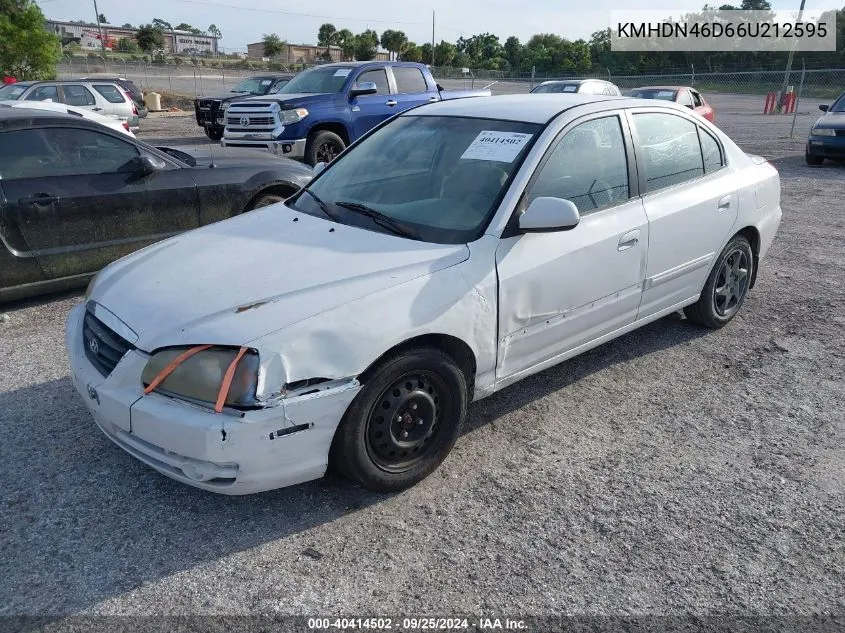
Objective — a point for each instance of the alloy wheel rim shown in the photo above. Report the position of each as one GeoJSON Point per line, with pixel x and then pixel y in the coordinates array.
{"type": "Point", "coordinates": [731, 283]}
{"type": "Point", "coordinates": [327, 152]}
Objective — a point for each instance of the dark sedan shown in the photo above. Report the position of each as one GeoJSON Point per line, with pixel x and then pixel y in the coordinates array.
{"type": "Point", "coordinates": [75, 195]}
{"type": "Point", "coordinates": [827, 136]}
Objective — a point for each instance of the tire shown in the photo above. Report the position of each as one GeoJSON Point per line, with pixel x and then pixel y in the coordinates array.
{"type": "Point", "coordinates": [726, 286]}
{"type": "Point", "coordinates": [813, 160]}
{"type": "Point", "coordinates": [369, 446]}
{"type": "Point", "coordinates": [321, 145]}
{"type": "Point", "coordinates": [264, 200]}
{"type": "Point", "coordinates": [214, 133]}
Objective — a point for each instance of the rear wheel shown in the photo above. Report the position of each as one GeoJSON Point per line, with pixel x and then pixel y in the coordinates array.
{"type": "Point", "coordinates": [214, 133]}
{"type": "Point", "coordinates": [726, 287]}
{"type": "Point", "coordinates": [323, 147]}
{"type": "Point", "coordinates": [404, 421]}
{"type": "Point", "coordinates": [813, 160]}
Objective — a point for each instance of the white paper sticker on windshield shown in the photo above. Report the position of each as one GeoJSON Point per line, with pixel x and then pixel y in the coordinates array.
{"type": "Point", "coordinates": [265, 82]}
{"type": "Point", "coordinates": [499, 146]}
{"type": "Point", "coordinates": [342, 72]}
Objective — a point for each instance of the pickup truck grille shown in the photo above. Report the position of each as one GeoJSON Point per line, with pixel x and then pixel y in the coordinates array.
{"type": "Point", "coordinates": [205, 104]}
{"type": "Point", "coordinates": [103, 346]}
{"type": "Point", "coordinates": [235, 121]}
{"type": "Point", "coordinates": [840, 132]}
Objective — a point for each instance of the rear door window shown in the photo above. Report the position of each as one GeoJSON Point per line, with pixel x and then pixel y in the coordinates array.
{"type": "Point", "coordinates": [78, 95]}
{"type": "Point", "coordinates": [409, 80]}
{"type": "Point", "coordinates": [670, 149]}
{"type": "Point", "coordinates": [110, 93]}
{"type": "Point", "coordinates": [696, 99]}
{"type": "Point", "coordinates": [712, 151]}
{"type": "Point", "coordinates": [685, 99]}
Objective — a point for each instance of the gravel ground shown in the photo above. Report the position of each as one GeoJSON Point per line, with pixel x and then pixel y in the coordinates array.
{"type": "Point", "coordinates": [672, 471]}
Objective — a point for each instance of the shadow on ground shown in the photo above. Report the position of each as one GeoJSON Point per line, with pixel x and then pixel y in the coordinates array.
{"type": "Point", "coordinates": [86, 521]}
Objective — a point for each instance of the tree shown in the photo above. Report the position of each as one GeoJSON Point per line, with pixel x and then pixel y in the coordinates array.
{"type": "Point", "coordinates": [184, 26]}
{"type": "Point", "coordinates": [127, 26]}
{"type": "Point", "coordinates": [126, 45]}
{"type": "Point", "coordinates": [346, 40]}
{"type": "Point", "coordinates": [327, 35]}
{"type": "Point", "coordinates": [513, 51]}
{"type": "Point", "coordinates": [162, 25]}
{"type": "Point", "coordinates": [149, 38]}
{"type": "Point", "coordinates": [27, 49]}
{"type": "Point", "coordinates": [102, 19]}
{"type": "Point", "coordinates": [213, 31]}
{"type": "Point", "coordinates": [394, 41]}
{"type": "Point", "coordinates": [412, 53]}
{"type": "Point", "coordinates": [273, 45]}
{"type": "Point", "coordinates": [366, 45]}
{"type": "Point", "coordinates": [444, 53]}
{"type": "Point", "coordinates": [425, 53]}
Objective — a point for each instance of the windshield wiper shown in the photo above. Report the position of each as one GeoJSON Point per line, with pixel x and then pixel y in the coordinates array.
{"type": "Point", "coordinates": [323, 206]}
{"type": "Point", "coordinates": [379, 218]}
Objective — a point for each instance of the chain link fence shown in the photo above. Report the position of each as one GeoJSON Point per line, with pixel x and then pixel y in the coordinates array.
{"type": "Point", "coordinates": [825, 83]}
{"type": "Point", "coordinates": [213, 77]}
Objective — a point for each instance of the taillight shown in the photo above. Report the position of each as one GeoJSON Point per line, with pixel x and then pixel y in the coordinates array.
{"type": "Point", "coordinates": [126, 126]}
{"type": "Point", "coordinates": [134, 109]}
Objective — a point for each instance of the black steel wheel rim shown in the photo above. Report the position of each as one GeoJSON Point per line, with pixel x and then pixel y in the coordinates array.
{"type": "Point", "coordinates": [731, 283]}
{"type": "Point", "coordinates": [406, 420]}
{"type": "Point", "coordinates": [327, 152]}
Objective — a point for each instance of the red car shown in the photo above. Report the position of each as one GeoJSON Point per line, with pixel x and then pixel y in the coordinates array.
{"type": "Point", "coordinates": [683, 95]}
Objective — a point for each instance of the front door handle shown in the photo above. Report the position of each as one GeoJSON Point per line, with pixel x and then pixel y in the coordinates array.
{"type": "Point", "coordinates": [725, 203]}
{"type": "Point", "coordinates": [432, 99]}
{"type": "Point", "coordinates": [629, 240]}
{"type": "Point", "coordinates": [391, 103]}
{"type": "Point", "coordinates": [96, 109]}
{"type": "Point", "coordinates": [39, 199]}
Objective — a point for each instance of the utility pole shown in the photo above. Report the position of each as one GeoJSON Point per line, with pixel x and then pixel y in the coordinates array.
{"type": "Point", "coordinates": [432, 38]}
{"type": "Point", "coordinates": [789, 60]}
{"type": "Point", "coordinates": [99, 28]}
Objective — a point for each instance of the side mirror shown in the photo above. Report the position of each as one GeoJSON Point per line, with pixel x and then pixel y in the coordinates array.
{"type": "Point", "coordinates": [147, 165]}
{"type": "Point", "coordinates": [824, 108]}
{"type": "Point", "coordinates": [363, 88]}
{"type": "Point", "coordinates": [545, 215]}
{"type": "Point", "coordinates": [318, 168]}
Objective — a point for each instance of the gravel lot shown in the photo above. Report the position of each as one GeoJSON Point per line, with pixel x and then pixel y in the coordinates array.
{"type": "Point", "coordinates": [672, 471]}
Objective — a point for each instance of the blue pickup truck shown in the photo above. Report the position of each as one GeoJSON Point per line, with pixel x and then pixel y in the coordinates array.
{"type": "Point", "coordinates": [321, 111]}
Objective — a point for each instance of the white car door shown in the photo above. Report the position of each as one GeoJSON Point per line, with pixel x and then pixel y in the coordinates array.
{"type": "Point", "coordinates": [560, 290]}
{"type": "Point", "coordinates": [112, 101]}
{"type": "Point", "coordinates": [691, 201]}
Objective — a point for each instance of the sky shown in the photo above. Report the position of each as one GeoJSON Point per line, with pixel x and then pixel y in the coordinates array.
{"type": "Point", "coordinates": [245, 21]}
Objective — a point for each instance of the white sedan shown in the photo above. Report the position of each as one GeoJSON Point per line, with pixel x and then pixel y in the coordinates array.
{"type": "Point", "coordinates": [110, 121]}
{"type": "Point", "coordinates": [454, 250]}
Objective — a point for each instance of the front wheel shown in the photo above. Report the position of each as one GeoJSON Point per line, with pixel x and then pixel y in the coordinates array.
{"type": "Point", "coordinates": [813, 160]}
{"type": "Point", "coordinates": [323, 147]}
{"type": "Point", "coordinates": [726, 287]}
{"type": "Point", "coordinates": [403, 423]}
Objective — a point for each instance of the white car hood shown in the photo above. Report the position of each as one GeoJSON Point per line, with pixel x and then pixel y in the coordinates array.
{"type": "Point", "coordinates": [234, 281]}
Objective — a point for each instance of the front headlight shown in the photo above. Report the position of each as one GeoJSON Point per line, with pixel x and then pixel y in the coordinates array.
{"type": "Point", "coordinates": [200, 377]}
{"type": "Point", "coordinates": [292, 116]}
{"type": "Point", "coordinates": [822, 131]}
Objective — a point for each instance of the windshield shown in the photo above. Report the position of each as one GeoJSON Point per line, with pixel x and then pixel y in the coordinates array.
{"type": "Point", "coordinates": [12, 91]}
{"type": "Point", "coordinates": [654, 93]}
{"type": "Point", "coordinates": [317, 81]}
{"type": "Point", "coordinates": [556, 88]}
{"type": "Point", "coordinates": [253, 85]}
{"type": "Point", "coordinates": [440, 179]}
{"type": "Point", "coordinates": [839, 105]}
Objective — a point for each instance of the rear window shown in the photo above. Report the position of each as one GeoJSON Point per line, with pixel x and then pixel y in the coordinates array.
{"type": "Point", "coordinates": [556, 88]}
{"type": "Point", "coordinates": [663, 95]}
{"type": "Point", "coordinates": [12, 92]}
{"type": "Point", "coordinates": [110, 93]}
{"type": "Point", "coordinates": [409, 79]}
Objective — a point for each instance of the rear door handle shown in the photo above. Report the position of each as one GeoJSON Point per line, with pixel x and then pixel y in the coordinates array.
{"type": "Point", "coordinates": [391, 103]}
{"type": "Point", "coordinates": [725, 203]}
{"type": "Point", "coordinates": [629, 240]}
{"type": "Point", "coordinates": [96, 109]}
{"type": "Point", "coordinates": [39, 199]}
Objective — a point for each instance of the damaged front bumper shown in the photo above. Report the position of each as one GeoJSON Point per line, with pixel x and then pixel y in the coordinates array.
{"type": "Point", "coordinates": [233, 452]}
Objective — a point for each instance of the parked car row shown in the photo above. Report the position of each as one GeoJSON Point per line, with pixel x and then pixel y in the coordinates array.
{"type": "Point", "coordinates": [100, 96]}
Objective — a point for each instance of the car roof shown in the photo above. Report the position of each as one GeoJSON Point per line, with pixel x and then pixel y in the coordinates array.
{"type": "Point", "coordinates": [573, 81]}
{"type": "Point", "coordinates": [530, 108]}
{"type": "Point", "coordinates": [662, 88]}
{"type": "Point", "coordinates": [10, 117]}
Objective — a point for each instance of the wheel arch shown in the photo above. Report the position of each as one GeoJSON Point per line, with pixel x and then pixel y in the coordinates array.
{"type": "Point", "coordinates": [280, 188]}
{"type": "Point", "coordinates": [457, 349]}
{"type": "Point", "coordinates": [331, 126]}
{"type": "Point", "coordinates": [753, 236]}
